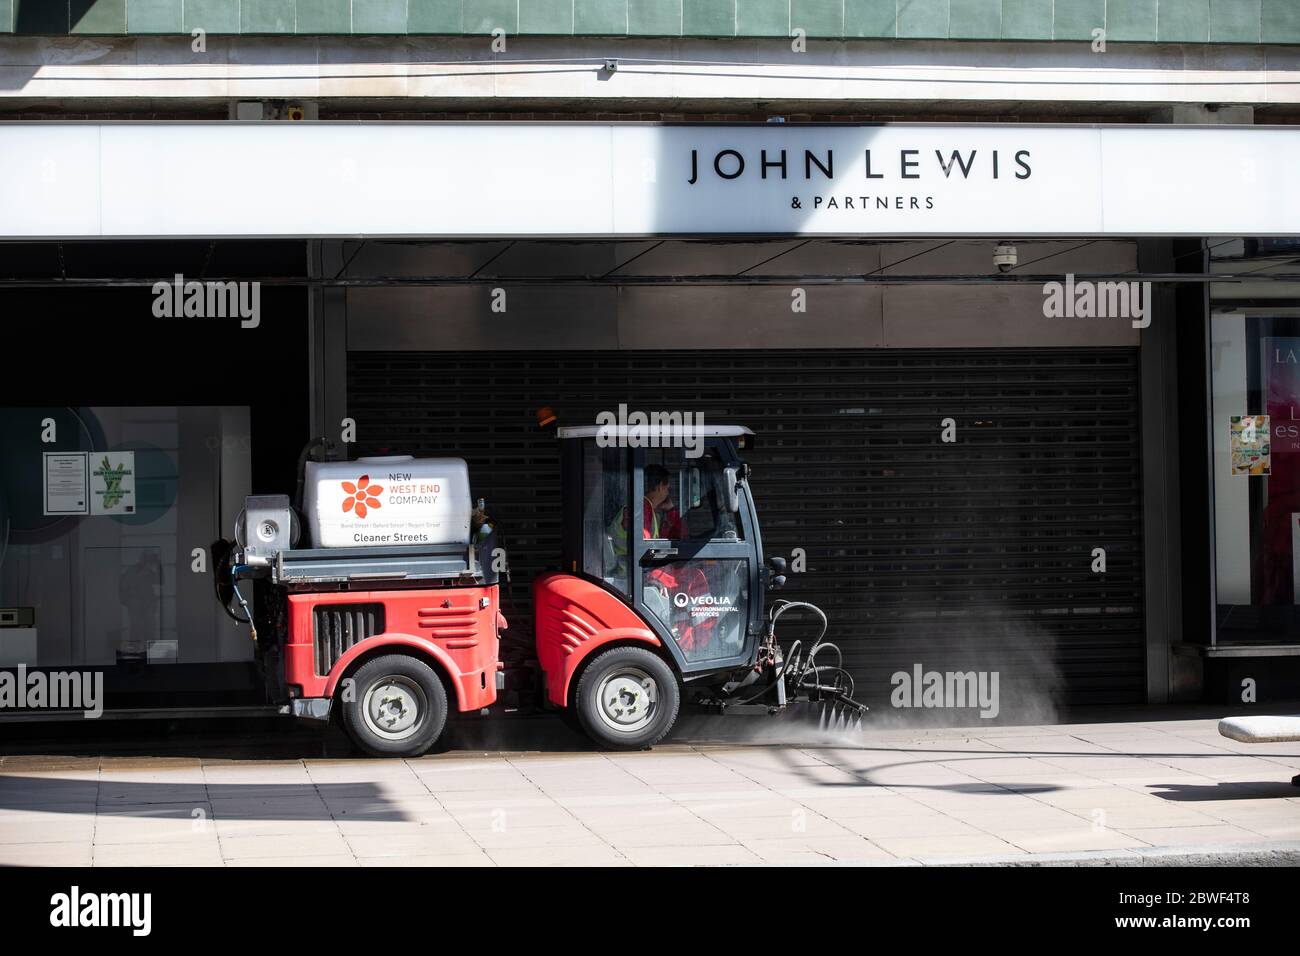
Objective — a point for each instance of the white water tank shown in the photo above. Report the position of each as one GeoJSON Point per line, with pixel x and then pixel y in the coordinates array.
{"type": "Point", "coordinates": [395, 500]}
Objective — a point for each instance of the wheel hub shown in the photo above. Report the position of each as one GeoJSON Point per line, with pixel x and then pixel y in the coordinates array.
{"type": "Point", "coordinates": [627, 699]}
{"type": "Point", "coordinates": [393, 707]}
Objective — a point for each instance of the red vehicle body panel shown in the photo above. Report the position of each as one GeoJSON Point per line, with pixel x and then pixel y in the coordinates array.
{"type": "Point", "coordinates": [574, 618]}
{"type": "Point", "coordinates": [448, 625]}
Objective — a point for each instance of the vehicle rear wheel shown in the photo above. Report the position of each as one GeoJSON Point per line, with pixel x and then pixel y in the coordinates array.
{"type": "Point", "coordinates": [627, 698]}
{"type": "Point", "coordinates": [398, 707]}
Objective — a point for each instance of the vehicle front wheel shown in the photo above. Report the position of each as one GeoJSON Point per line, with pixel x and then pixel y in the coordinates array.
{"type": "Point", "coordinates": [627, 698]}
{"type": "Point", "coordinates": [397, 708]}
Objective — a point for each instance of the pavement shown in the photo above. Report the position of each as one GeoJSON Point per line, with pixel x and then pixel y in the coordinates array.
{"type": "Point", "coordinates": [1130, 791]}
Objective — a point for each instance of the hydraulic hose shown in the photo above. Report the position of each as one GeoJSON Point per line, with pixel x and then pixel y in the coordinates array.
{"type": "Point", "coordinates": [792, 659]}
{"type": "Point", "coordinates": [817, 644]}
{"type": "Point", "coordinates": [234, 583]}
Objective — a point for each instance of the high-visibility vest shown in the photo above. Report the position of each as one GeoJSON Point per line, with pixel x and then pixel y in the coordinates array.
{"type": "Point", "coordinates": [618, 527]}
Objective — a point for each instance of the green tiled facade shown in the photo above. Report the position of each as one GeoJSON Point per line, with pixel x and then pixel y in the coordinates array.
{"type": "Point", "coordinates": [1141, 21]}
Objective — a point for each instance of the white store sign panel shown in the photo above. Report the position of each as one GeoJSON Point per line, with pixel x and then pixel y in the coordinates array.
{"type": "Point", "coordinates": [139, 180]}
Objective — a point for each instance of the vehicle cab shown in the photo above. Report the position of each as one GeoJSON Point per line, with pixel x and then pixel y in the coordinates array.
{"type": "Point", "coordinates": [662, 518]}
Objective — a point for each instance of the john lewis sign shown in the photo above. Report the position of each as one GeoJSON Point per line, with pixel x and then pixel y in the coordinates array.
{"type": "Point", "coordinates": [584, 179]}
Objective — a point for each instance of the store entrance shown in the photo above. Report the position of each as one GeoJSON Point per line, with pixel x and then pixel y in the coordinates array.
{"type": "Point", "coordinates": [129, 452]}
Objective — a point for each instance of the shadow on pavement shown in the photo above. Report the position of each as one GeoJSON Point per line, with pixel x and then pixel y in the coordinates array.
{"type": "Point", "coordinates": [1232, 790]}
{"type": "Point", "coordinates": [211, 801]}
{"type": "Point", "coordinates": [268, 738]}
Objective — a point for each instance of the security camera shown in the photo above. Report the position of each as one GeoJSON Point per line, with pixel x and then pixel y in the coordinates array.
{"type": "Point", "coordinates": [1004, 256]}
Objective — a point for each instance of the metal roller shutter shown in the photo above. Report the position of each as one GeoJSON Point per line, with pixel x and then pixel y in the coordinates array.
{"type": "Point", "coordinates": [974, 554]}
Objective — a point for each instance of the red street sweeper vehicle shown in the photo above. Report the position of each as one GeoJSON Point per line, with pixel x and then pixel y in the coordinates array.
{"type": "Point", "coordinates": [391, 617]}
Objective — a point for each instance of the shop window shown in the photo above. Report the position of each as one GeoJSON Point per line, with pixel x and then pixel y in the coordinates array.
{"type": "Point", "coordinates": [1255, 419]}
{"type": "Point", "coordinates": [101, 512]}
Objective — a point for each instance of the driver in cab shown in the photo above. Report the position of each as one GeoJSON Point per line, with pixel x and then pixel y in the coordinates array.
{"type": "Point", "coordinates": [659, 516]}
{"type": "Point", "coordinates": [660, 520]}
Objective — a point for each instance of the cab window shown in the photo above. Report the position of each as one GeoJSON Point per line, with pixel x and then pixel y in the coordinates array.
{"type": "Point", "coordinates": [695, 508]}
{"type": "Point", "coordinates": [605, 487]}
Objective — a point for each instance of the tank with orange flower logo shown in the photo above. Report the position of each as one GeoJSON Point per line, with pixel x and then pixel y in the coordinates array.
{"type": "Point", "coordinates": [387, 501]}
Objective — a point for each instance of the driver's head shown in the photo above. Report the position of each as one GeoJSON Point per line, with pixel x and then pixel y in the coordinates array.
{"type": "Point", "coordinates": [656, 484]}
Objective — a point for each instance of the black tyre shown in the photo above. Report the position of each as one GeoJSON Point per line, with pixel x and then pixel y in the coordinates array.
{"type": "Point", "coordinates": [398, 707]}
{"type": "Point", "coordinates": [627, 698]}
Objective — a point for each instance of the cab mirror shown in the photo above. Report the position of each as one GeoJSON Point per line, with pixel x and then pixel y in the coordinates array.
{"type": "Point", "coordinates": [733, 497]}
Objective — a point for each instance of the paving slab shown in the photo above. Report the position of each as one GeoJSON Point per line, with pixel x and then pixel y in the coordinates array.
{"type": "Point", "coordinates": [1134, 791]}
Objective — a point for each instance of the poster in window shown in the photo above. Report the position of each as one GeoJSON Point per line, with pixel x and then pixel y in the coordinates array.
{"type": "Point", "coordinates": [112, 483]}
{"type": "Point", "coordinates": [65, 483]}
{"type": "Point", "coordinates": [1250, 445]}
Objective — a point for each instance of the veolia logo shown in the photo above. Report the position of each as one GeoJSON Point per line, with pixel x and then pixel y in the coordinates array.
{"type": "Point", "coordinates": [362, 497]}
{"type": "Point", "coordinates": [682, 599]}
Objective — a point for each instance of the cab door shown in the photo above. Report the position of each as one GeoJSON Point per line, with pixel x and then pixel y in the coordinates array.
{"type": "Point", "coordinates": [695, 575]}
